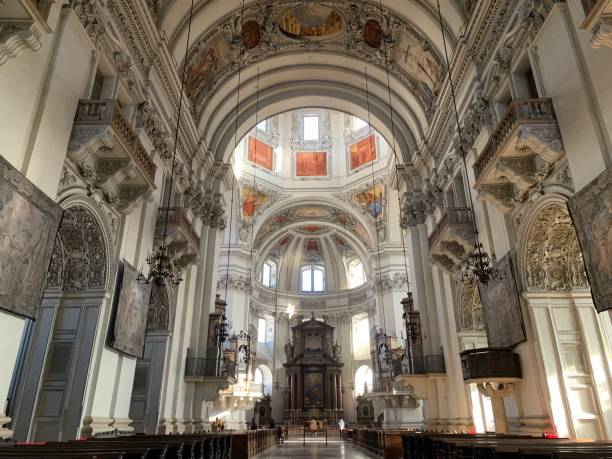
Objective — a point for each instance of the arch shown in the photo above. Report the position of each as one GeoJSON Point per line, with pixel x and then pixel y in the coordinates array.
{"type": "Point", "coordinates": [81, 254]}
{"type": "Point", "coordinates": [363, 378]}
{"type": "Point", "coordinates": [550, 257]}
{"type": "Point", "coordinates": [266, 378]}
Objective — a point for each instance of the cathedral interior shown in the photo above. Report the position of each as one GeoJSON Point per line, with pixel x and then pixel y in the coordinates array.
{"type": "Point", "coordinates": [306, 228]}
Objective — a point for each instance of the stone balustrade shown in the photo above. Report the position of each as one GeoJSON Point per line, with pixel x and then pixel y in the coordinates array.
{"type": "Point", "coordinates": [181, 236]}
{"type": "Point", "coordinates": [521, 152]}
{"type": "Point", "coordinates": [109, 156]}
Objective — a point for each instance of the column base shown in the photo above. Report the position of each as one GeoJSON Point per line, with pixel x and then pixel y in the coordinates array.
{"type": "Point", "coordinates": [5, 433]}
{"type": "Point", "coordinates": [197, 425]}
{"type": "Point", "coordinates": [123, 425]}
{"type": "Point", "coordinates": [167, 426]}
{"type": "Point", "coordinates": [93, 425]}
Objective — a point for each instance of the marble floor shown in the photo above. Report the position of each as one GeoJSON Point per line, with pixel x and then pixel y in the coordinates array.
{"type": "Point", "coordinates": [335, 448]}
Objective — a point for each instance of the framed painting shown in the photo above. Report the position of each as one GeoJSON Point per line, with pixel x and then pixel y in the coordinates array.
{"type": "Point", "coordinates": [591, 211]}
{"type": "Point", "coordinates": [260, 153]}
{"type": "Point", "coordinates": [502, 309]}
{"type": "Point", "coordinates": [29, 221]}
{"type": "Point", "coordinates": [130, 312]}
{"type": "Point", "coordinates": [313, 389]}
{"type": "Point", "coordinates": [311, 164]}
{"type": "Point", "coordinates": [362, 152]}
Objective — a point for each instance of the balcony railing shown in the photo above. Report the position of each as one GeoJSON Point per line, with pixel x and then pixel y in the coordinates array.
{"type": "Point", "coordinates": [419, 365]}
{"type": "Point", "coordinates": [177, 218]}
{"type": "Point", "coordinates": [451, 216]}
{"type": "Point", "coordinates": [521, 111]}
{"type": "Point", "coordinates": [200, 367]}
{"type": "Point", "coordinates": [107, 112]}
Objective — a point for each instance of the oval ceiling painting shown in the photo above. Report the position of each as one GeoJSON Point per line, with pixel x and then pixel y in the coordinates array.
{"type": "Point", "coordinates": [251, 35]}
{"type": "Point", "coordinates": [372, 33]}
{"type": "Point", "coordinates": [311, 22]}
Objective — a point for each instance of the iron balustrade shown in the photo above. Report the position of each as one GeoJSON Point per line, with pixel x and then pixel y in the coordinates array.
{"type": "Point", "coordinates": [213, 368]}
{"type": "Point", "coordinates": [420, 365]}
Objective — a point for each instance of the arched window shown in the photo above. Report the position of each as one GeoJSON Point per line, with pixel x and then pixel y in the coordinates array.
{"type": "Point", "coordinates": [356, 274]}
{"type": "Point", "coordinates": [363, 380]}
{"type": "Point", "coordinates": [268, 274]}
{"type": "Point", "coordinates": [312, 279]}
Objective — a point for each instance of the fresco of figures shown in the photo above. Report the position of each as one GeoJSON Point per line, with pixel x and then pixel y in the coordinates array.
{"type": "Point", "coordinates": [314, 22]}
{"type": "Point", "coordinates": [371, 200]}
{"type": "Point", "coordinates": [311, 164]}
{"type": "Point", "coordinates": [252, 201]}
{"type": "Point", "coordinates": [29, 221]}
{"type": "Point", "coordinates": [591, 210]}
{"type": "Point", "coordinates": [362, 152]}
{"type": "Point", "coordinates": [260, 153]}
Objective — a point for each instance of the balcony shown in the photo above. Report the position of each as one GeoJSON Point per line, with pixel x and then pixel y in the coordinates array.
{"type": "Point", "coordinates": [419, 365]}
{"type": "Point", "coordinates": [521, 152]}
{"type": "Point", "coordinates": [599, 21]}
{"type": "Point", "coordinates": [22, 23]}
{"type": "Point", "coordinates": [109, 156]}
{"type": "Point", "coordinates": [490, 364]}
{"type": "Point", "coordinates": [213, 374]}
{"type": "Point", "coordinates": [452, 239]}
{"type": "Point", "coordinates": [181, 236]}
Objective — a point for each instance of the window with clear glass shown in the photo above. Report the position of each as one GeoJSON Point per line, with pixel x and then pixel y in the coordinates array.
{"type": "Point", "coordinates": [361, 337]}
{"type": "Point", "coordinates": [313, 279]}
{"type": "Point", "coordinates": [356, 274]}
{"type": "Point", "coordinates": [311, 127]}
{"type": "Point", "coordinates": [358, 123]}
{"type": "Point", "coordinates": [261, 330]}
{"type": "Point", "coordinates": [268, 274]}
{"type": "Point", "coordinates": [363, 380]}
{"type": "Point", "coordinates": [263, 125]}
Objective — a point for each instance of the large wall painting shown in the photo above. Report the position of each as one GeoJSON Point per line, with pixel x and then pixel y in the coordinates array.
{"type": "Point", "coordinates": [418, 61]}
{"type": "Point", "coordinates": [260, 153]}
{"type": "Point", "coordinates": [591, 211]}
{"type": "Point", "coordinates": [362, 152]}
{"type": "Point", "coordinates": [130, 312]}
{"type": "Point", "coordinates": [502, 310]}
{"type": "Point", "coordinates": [311, 22]}
{"type": "Point", "coordinates": [252, 201]}
{"type": "Point", "coordinates": [371, 200]}
{"type": "Point", "coordinates": [204, 64]}
{"type": "Point", "coordinates": [313, 389]}
{"type": "Point", "coordinates": [311, 164]}
{"type": "Point", "coordinates": [29, 221]}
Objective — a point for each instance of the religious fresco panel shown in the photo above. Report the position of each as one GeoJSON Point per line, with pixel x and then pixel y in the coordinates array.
{"type": "Point", "coordinates": [417, 60]}
{"type": "Point", "coordinates": [205, 64]}
{"type": "Point", "coordinates": [311, 164]}
{"type": "Point", "coordinates": [29, 222]}
{"type": "Point", "coordinates": [591, 211]}
{"type": "Point", "coordinates": [252, 200]}
{"type": "Point", "coordinates": [371, 200]}
{"type": "Point", "coordinates": [311, 22]}
{"type": "Point", "coordinates": [260, 153]}
{"type": "Point", "coordinates": [362, 152]}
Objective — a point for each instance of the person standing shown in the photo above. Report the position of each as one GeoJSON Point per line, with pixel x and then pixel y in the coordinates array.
{"type": "Point", "coordinates": [313, 428]}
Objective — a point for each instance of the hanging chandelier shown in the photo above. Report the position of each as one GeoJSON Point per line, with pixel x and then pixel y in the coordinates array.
{"type": "Point", "coordinates": [478, 266]}
{"type": "Point", "coordinates": [163, 267]}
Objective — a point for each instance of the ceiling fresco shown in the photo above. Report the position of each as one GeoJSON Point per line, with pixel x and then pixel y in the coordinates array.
{"type": "Point", "coordinates": [318, 213]}
{"type": "Point", "coordinates": [338, 27]}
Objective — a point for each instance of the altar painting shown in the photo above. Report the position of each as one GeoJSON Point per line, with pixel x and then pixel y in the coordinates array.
{"type": "Point", "coordinates": [363, 152]}
{"type": "Point", "coordinates": [311, 164]}
{"type": "Point", "coordinates": [371, 200]}
{"type": "Point", "coordinates": [131, 308]}
{"type": "Point", "coordinates": [260, 153]}
{"type": "Point", "coordinates": [313, 389]}
{"type": "Point", "coordinates": [252, 200]}
{"type": "Point", "coordinates": [29, 221]}
{"type": "Point", "coordinates": [591, 211]}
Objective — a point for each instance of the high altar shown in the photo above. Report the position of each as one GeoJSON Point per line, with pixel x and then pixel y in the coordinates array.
{"type": "Point", "coordinates": [313, 372]}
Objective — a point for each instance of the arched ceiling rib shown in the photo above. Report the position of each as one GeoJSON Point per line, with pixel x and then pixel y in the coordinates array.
{"type": "Point", "coordinates": [326, 73]}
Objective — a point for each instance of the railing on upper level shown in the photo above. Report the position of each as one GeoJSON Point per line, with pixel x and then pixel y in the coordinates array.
{"type": "Point", "coordinates": [450, 216]}
{"type": "Point", "coordinates": [419, 365]}
{"type": "Point", "coordinates": [177, 217]}
{"type": "Point", "coordinates": [212, 368]}
{"type": "Point", "coordinates": [108, 112]}
{"type": "Point", "coordinates": [520, 111]}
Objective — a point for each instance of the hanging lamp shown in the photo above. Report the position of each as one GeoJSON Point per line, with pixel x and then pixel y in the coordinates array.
{"type": "Point", "coordinates": [478, 266]}
{"type": "Point", "coordinates": [163, 267]}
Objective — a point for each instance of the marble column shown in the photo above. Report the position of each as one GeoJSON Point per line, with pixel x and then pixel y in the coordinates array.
{"type": "Point", "coordinates": [299, 403]}
{"type": "Point", "coordinates": [497, 394]}
{"type": "Point", "coordinates": [339, 383]}
{"type": "Point", "coordinates": [334, 393]}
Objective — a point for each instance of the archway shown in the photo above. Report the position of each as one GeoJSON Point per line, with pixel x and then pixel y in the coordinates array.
{"type": "Point", "coordinates": [59, 345]}
{"type": "Point", "coordinates": [363, 380]}
{"type": "Point", "coordinates": [263, 376]}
